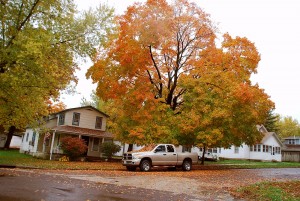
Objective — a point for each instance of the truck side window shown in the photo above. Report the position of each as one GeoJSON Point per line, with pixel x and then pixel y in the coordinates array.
{"type": "Point", "coordinates": [160, 148]}
{"type": "Point", "coordinates": [170, 148]}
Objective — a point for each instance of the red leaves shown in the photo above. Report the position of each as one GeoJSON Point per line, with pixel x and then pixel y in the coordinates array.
{"type": "Point", "coordinates": [73, 146]}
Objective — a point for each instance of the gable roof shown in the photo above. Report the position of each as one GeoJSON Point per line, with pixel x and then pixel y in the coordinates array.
{"type": "Point", "coordinates": [267, 135]}
{"type": "Point", "coordinates": [83, 107]}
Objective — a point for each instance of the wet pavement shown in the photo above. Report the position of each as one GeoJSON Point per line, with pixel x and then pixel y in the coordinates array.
{"type": "Point", "coordinates": [53, 185]}
{"type": "Point", "coordinates": [19, 185]}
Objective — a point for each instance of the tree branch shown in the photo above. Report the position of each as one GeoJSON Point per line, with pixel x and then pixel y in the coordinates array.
{"type": "Point", "coordinates": [24, 22]}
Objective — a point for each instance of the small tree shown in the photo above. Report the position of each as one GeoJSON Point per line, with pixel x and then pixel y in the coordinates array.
{"type": "Point", "coordinates": [110, 148]}
{"type": "Point", "coordinates": [73, 146]}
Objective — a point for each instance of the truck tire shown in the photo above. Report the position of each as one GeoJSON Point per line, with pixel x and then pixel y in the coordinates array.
{"type": "Point", "coordinates": [131, 168]}
{"type": "Point", "coordinates": [145, 165]}
{"type": "Point", "coordinates": [186, 165]}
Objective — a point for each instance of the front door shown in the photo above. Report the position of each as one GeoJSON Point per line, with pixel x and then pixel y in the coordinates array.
{"type": "Point", "coordinates": [87, 140]}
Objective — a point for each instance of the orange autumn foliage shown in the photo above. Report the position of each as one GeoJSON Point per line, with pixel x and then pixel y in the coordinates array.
{"type": "Point", "coordinates": [170, 82]}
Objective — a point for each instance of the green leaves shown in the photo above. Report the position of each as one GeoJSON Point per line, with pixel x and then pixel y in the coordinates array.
{"type": "Point", "coordinates": [39, 43]}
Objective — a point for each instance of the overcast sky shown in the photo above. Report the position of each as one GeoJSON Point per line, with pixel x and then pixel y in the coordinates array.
{"type": "Point", "coordinates": [274, 27]}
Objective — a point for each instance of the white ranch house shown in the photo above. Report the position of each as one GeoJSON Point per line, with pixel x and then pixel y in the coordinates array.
{"type": "Point", "coordinates": [268, 149]}
{"type": "Point", "coordinates": [86, 122]}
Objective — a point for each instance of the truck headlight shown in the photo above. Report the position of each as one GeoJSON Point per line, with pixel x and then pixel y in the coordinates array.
{"type": "Point", "coordinates": [136, 156]}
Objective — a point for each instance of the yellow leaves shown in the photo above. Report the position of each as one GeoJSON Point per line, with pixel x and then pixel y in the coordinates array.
{"type": "Point", "coordinates": [64, 159]}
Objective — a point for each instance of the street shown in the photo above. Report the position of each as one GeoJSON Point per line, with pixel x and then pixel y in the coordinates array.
{"type": "Point", "coordinates": [66, 185]}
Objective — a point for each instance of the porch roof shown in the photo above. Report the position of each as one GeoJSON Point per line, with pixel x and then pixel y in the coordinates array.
{"type": "Point", "coordinates": [82, 131]}
{"type": "Point", "coordinates": [291, 147]}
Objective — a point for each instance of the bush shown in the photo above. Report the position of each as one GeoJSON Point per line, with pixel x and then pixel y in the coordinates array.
{"type": "Point", "coordinates": [73, 146]}
{"type": "Point", "coordinates": [110, 148]}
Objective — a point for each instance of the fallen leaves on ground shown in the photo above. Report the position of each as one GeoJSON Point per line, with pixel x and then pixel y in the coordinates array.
{"type": "Point", "coordinates": [271, 190]}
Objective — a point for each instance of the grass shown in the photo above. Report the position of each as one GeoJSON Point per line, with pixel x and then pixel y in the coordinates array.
{"type": "Point", "coordinates": [270, 191]}
{"type": "Point", "coordinates": [247, 164]}
{"type": "Point", "coordinates": [14, 158]}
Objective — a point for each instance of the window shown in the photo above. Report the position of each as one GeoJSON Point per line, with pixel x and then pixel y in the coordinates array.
{"type": "Point", "coordinates": [96, 144]}
{"type": "Point", "coordinates": [160, 148]}
{"type": "Point", "coordinates": [170, 148]}
{"type": "Point", "coordinates": [27, 136]}
{"type": "Point", "coordinates": [255, 148]}
{"type": "Point", "coordinates": [251, 148]}
{"type": "Point", "coordinates": [33, 138]}
{"type": "Point", "coordinates": [61, 119]}
{"type": "Point", "coordinates": [76, 119]}
{"type": "Point", "coordinates": [265, 148]}
{"type": "Point", "coordinates": [98, 124]}
{"type": "Point", "coordinates": [236, 150]}
{"type": "Point", "coordinates": [258, 147]}
{"type": "Point", "coordinates": [277, 150]}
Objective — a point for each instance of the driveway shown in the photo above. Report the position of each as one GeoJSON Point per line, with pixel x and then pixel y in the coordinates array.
{"type": "Point", "coordinates": [123, 185]}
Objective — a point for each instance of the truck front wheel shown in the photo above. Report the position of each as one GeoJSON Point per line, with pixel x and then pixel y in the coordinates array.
{"type": "Point", "coordinates": [145, 165]}
{"type": "Point", "coordinates": [186, 165]}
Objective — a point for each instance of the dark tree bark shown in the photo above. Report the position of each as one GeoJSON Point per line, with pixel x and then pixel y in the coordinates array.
{"type": "Point", "coordinates": [130, 147]}
{"type": "Point", "coordinates": [203, 157]}
{"type": "Point", "coordinates": [10, 134]}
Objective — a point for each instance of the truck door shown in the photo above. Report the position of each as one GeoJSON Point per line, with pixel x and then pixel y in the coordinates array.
{"type": "Point", "coordinates": [159, 155]}
{"type": "Point", "coordinates": [171, 158]}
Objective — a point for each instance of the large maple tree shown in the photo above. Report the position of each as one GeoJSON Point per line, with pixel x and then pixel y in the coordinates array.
{"type": "Point", "coordinates": [39, 43]}
{"type": "Point", "coordinates": [170, 82]}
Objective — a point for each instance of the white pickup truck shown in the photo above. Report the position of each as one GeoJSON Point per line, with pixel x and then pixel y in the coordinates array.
{"type": "Point", "coordinates": [158, 155]}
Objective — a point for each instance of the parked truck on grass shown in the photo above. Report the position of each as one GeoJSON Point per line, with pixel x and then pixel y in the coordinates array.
{"type": "Point", "coordinates": [158, 155]}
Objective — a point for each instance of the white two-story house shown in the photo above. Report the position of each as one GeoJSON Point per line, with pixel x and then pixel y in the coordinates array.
{"type": "Point", "coordinates": [86, 122]}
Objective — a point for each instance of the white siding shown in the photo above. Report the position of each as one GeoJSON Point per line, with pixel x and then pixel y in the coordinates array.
{"type": "Point", "coordinates": [15, 142]}
{"type": "Point", "coordinates": [243, 152]}
{"type": "Point", "coordinates": [51, 123]}
{"type": "Point", "coordinates": [26, 144]}
{"type": "Point", "coordinates": [87, 118]}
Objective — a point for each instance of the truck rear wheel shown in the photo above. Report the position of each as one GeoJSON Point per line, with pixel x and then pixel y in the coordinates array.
{"type": "Point", "coordinates": [186, 165]}
{"type": "Point", "coordinates": [145, 165]}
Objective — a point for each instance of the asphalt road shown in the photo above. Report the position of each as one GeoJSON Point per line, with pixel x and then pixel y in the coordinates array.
{"type": "Point", "coordinates": [19, 185]}
{"type": "Point", "coordinates": [45, 185]}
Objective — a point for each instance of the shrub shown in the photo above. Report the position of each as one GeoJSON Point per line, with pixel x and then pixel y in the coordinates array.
{"type": "Point", "coordinates": [110, 148]}
{"type": "Point", "coordinates": [73, 146]}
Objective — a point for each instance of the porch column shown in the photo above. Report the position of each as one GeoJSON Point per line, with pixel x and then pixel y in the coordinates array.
{"type": "Point", "coordinates": [52, 143]}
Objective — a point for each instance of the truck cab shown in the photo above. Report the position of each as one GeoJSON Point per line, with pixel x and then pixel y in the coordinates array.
{"type": "Point", "coordinates": [158, 155]}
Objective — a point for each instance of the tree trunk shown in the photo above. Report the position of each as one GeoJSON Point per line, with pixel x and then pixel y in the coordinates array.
{"type": "Point", "coordinates": [203, 157]}
{"type": "Point", "coordinates": [130, 147]}
{"type": "Point", "coordinates": [10, 134]}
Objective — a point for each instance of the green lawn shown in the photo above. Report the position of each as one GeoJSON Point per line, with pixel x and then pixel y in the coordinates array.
{"type": "Point", "coordinates": [247, 164]}
{"type": "Point", "coordinates": [270, 191]}
{"type": "Point", "coordinates": [13, 157]}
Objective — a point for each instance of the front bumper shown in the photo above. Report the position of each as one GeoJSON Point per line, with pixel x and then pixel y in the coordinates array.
{"type": "Point", "coordinates": [133, 162]}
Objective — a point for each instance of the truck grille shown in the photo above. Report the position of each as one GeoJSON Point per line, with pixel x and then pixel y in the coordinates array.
{"type": "Point", "coordinates": [127, 156]}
